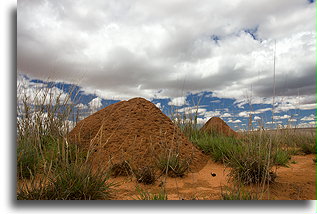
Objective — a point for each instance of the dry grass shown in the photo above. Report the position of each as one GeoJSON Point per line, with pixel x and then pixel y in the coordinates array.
{"type": "Point", "coordinates": [48, 168]}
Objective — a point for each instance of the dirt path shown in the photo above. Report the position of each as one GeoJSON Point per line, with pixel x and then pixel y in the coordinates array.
{"type": "Point", "coordinates": [297, 182]}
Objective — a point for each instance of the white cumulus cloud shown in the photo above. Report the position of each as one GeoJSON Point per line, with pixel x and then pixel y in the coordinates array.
{"type": "Point", "coordinates": [95, 103]}
{"type": "Point", "coordinates": [308, 118]}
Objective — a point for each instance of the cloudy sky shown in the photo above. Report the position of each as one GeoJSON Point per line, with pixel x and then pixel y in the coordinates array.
{"type": "Point", "coordinates": [175, 52]}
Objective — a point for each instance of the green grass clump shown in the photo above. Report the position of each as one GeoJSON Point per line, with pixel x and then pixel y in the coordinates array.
{"type": "Point", "coordinates": [308, 147]}
{"type": "Point", "coordinates": [281, 157]}
{"type": "Point", "coordinates": [145, 195]}
{"type": "Point", "coordinates": [237, 193]}
{"type": "Point", "coordinates": [173, 165]}
{"type": "Point", "coordinates": [75, 182]}
{"type": "Point", "coordinates": [217, 146]}
{"type": "Point", "coordinates": [48, 167]}
{"type": "Point", "coordinates": [297, 141]}
{"type": "Point", "coordinates": [250, 158]}
{"type": "Point", "coordinates": [27, 160]}
{"type": "Point", "coordinates": [250, 165]}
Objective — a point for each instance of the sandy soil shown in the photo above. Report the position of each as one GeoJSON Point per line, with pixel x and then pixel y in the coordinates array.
{"type": "Point", "coordinates": [296, 182]}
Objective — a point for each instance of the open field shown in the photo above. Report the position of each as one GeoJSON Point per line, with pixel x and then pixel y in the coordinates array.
{"type": "Point", "coordinates": [307, 131]}
{"type": "Point", "coordinates": [132, 151]}
{"type": "Point", "coordinates": [165, 100]}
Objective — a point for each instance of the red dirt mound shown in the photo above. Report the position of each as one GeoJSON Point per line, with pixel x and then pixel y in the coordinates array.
{"type": "Point", "coordinates": [218, 126]}
{"type": "Point", "coordinates": [135, 131]}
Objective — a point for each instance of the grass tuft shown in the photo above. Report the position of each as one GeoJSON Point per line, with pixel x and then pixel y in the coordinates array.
{"type": "Point", "coordinates": [27, 160]}
{"type": "Point", "coordinates": [121, 169]}
{"type": "Point", "coordinates": [145, 175]}
{"type": "Point", "coordinates": [281, 158]}
{"type": "Point", "coordinates": [237, 193]}
{"type": "Point", "coordinates": [75, 182]}
{"type": "Point", "coordinates": [173, 165]}
{"type": "Point", "coordinates": [145, 195]}
{"type": "Point", "coordinates": [308, 148]}
{"type": "Point", "coordinates": [217, 146]}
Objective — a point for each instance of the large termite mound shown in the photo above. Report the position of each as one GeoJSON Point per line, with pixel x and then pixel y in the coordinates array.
{"type": "Point", "coordinates": [135, 131]}
{"type": "Point", "coordinates": [217, 126]}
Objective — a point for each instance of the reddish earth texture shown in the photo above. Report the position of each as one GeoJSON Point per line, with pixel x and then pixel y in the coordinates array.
{"type": "Point", "coordinates": [135, 131]}
{"type": "Point", "coordinates": [218, 126]}
{"type": "Point", "coordinates": [297, 182]}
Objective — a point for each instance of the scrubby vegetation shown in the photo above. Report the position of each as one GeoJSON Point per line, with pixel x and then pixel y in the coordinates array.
{"type": "Point", "coordinates": [74, 182]}
{"type": "Point", "coordinates": [48, 167]}
{"type": "Point", "coordinates": [250, 156]}
{"type": "Point", "coordinates": [220, 148]}
{"type": "Point", "coordinates": [173, 165]}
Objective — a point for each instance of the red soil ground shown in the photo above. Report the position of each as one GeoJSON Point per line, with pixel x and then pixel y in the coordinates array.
{"type": "Point", "coordinates": [135, 131]}
{"type": "Point", "coordinates": [297, 182]}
